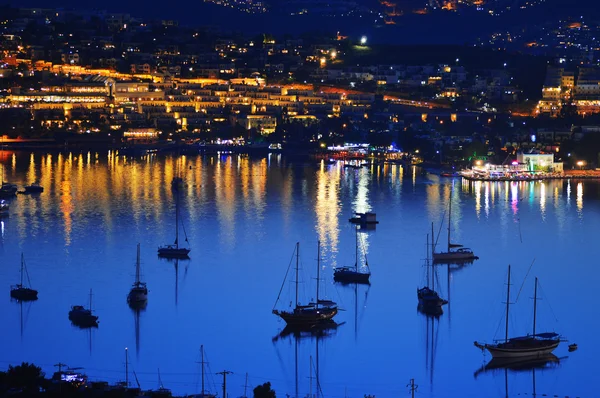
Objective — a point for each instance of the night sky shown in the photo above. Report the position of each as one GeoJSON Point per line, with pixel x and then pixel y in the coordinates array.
{"type": "Point", "coordinates": [435, 28]}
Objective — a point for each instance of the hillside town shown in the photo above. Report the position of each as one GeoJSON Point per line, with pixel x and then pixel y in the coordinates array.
{"type": "Point", "coordinates": [102, 78]}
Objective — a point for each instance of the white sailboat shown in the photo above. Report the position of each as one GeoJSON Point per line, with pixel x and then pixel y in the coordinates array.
{"type": "Point", "coordinates": [174, 250]}
{"type": "Point", "coordinates": [353, 274]}
{"type": "Point", "coordinates": [535, 345]}
{"type": "Point", "coordinates": [455, 251]}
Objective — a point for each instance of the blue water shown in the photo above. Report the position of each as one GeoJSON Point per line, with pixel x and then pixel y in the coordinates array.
{"type": "Point", "coordinates": [242, 217]}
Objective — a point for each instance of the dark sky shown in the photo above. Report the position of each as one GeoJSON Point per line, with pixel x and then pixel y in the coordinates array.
{"type": "Point", "coordinates": [439, 28]}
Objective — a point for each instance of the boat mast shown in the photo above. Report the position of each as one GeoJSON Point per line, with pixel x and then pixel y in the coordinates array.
{"type": "Point", "coordinates": [449, 220]}
{"type": "Point", "coordinates": [137, 266]}
{"type": "Point", "coordinates": [534, 304]}
{"type": "Point", "coordinates": [202, 364]}
{"type": "Point", "coordinates": [427, 261]}
{"type": "Point", "coordinates": [318, 268]}
{"type": "Point", "coordinates": [356, 250]}
{"type": "Point", "coordinates": [310, 394]}
{"type": "Point", "coordinates": [126, 369]}
{"type": "Point", "coordinates": [90, 300]}
{"type": "Point", "coordinates": [176, 219]}
{"type": "Point", "coordinates": [507, 304]}
{"type": "Point", "coordinates": [22, 264]}
{"type": "Point", "coordinates": [297, 262]}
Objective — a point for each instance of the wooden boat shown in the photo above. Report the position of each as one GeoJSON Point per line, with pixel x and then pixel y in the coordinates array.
{"type": "Point", "coordinates": [310, 314]}
{"type": "Point", "coordinates": [531, 345]}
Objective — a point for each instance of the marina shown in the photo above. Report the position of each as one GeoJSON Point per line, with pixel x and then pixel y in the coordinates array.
{"type": "Point", "coordinates": [243, 217]}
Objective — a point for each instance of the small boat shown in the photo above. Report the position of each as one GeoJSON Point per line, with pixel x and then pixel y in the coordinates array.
{"type": "Point", "coordinates": [531, 345]}
{"type": "Point", "coordinates": [21, 292]}
{"type": "Point", "coordinates": [430, 301]}
{"type": "Point", "coordinates": [364, 219]}
{"type": "Point", "coordinates": [4, 208]}
{"type": "Point", "coordinates": [455, 251]}
{"type": "Point", "coordinates": [572, 347]}
{"type": "Point", "coordinates": [34, 188]}
{"type": "Point", "coordinates": [314, 313]}
{"type": "Point", "coordinates": [83, 317]}
{"type": "Point", "coordinates": [7, 190]}
{"type": "Point", "coordinates": [139, 292]}
{"type": "Point", "coordinates": [174, 250]}
{"type": "Point", "coordinates": [352, 274]}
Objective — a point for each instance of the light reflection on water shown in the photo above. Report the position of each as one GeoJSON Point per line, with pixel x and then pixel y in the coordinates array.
{"type": "Point", "coordinates": [242, 216]}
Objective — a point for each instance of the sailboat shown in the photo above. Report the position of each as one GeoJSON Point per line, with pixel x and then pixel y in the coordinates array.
{"type": "Point", "coordinates": [139, 292]}
{"type": "Point", "coordinates": [455, 251]}
{"type": "Point", "coordinates": [313, 314]}
{"type": "Point", "coordinates": [429, 300]}
{"type": "Point", "coordinates": [203, 393]}
{"type": "Point", "coordinates": [20, 292]}
{"type": "Point", "coordinates": [174, 250]}
{"type": "Point", "coordinates": [83, 317]}
{"type": "Point", "coordinates": [352, 274]}
{"type": "Point", "coordinates": [531, 345]}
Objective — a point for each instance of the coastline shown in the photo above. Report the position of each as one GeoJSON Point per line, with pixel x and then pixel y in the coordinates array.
{"type": "Point", "coordinates": [571, 174]}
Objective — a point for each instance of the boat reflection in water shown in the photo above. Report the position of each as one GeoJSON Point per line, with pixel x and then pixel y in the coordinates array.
{"type": "Point", "coordinates": [520, 365]}
{"type": "Point", "coordinates": [321, 330]}
{"type": "Point", "coordinates": [548, 361]}
{"type": "Point", "coordinates": [175, 262]}
{"type": "Point", "coordinates": [307, 333]}
{"type": "Point", "coordinates": [137, 307]}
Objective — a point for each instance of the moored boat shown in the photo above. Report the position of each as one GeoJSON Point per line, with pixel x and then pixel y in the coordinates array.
{"type": "Point", "coordinates": [139, 292]}
{"type": "Point", "coordinates": [313, 313]}
{"type": "Point", "coordinates": [353, 274]}
{"type": "Point", "coordinates": [455, 251]}
{"type": "Point", "coordinates": [531, 345]}
{"type": "Point", "coordinates": [83, 317]}
{"type": "Point", "coordinates": [430, 301]}
{"type": "Point", "coordinates": [21, 292]}
{"type": "Point", "coordinates": [174, 250]}
{"type": "Point", "coordinates": [34, 188]}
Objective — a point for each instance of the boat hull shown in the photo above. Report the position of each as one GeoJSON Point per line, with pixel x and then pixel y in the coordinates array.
{"type": "Point", "coordinates": [348, 276]}
{"type": "Point", "coordinates": [137, 296]}
{"type": "Point", "coordinates": [24, 294]}
{"type": "Point", "coordinates": [168, 252]}
{"type": "Point", "coordinates": [34, 189]}
{"type": "Point", "coordinates": [454, 256]}
{"type": "Point", "coordinates": [505, 351]}
{"type": "Point", "coordinates": [83, 318]}
{"type": "Point", "coordinates": [307, 317]}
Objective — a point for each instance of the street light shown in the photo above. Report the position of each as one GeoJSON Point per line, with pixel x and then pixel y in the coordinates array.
{"type": "Point", "coordinates": [363, 40]}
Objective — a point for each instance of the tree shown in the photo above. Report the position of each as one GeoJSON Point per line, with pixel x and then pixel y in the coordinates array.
{"type": "Point", "coordinates": [264, 391]}
{"type": "Point", "coordinates": [27, 377]}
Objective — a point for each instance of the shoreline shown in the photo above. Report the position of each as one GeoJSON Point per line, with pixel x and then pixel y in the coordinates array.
{"type": "Point", "coordinates": [536, 178]}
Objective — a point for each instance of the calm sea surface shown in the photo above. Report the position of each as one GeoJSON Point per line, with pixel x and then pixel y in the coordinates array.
{"type": "Point", "coordinates": [243, 217]}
